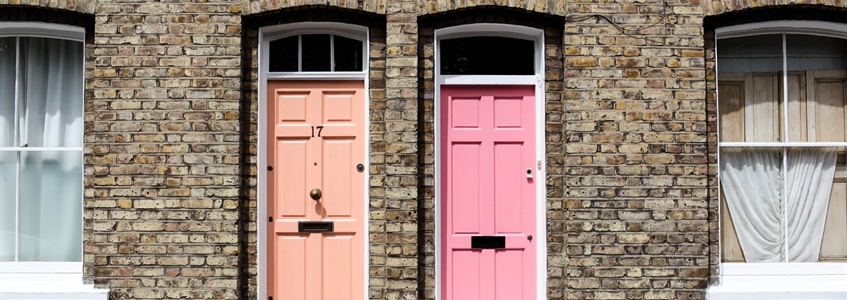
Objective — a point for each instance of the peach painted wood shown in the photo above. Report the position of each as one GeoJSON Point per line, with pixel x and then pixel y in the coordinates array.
{"type": "Point", "coordinates": [488, 143]}
{"type": "Point", "coordinates": [315, 140]}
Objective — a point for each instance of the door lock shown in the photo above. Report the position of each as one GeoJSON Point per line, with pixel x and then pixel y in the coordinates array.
{"type": "Point", "coordinates": [529, 173]}
{"type": "Point", "coordinates": [315, 193]}
{"type": "Point", "coordinates": [360, 167]}
{"type": "Point", "coordinates": [529, 238]}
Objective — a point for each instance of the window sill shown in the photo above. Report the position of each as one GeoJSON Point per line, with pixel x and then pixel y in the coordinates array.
{"type": "Point", "coordinates": [781, 281]}
{"type": "Point", "coordinates": [48, 286]}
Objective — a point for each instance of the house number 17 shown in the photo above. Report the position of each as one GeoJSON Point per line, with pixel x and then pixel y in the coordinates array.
{"type": "Point", "coordinates": [320, 128]}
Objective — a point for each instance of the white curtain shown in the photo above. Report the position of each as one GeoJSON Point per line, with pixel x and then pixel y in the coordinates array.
{"type": "Point", "coordinates": [7, 90]}
{"type": "Point", "coordinates": [49, 102]}
{"type": "Point", "coordinates": [751, 181]}
{"type": "Point", "coordinates": [810, 175]}
{"type": "Point", "coordinates": [7, 159]}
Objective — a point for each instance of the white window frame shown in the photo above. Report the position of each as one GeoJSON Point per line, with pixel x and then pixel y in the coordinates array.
{"type": "Point", "coordinates": [538, 80]}
{"type": "Point", "coordinates": [52, 31]}
{"type": "Point", "coordinates": [754, 277]}
{"type": "Point", "coordinates": [266, 35]}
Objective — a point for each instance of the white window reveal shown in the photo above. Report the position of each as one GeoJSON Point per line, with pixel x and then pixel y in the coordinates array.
{"type": "Point", "coordinates": [41, 129]}
{"type": "Point", "coordinates": [782, 101]}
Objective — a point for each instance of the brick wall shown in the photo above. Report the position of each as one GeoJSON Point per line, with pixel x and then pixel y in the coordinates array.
{"type": "Point", "coordinates": [635, 153]}
{"type": "Point", "coordinates": [162, 169]}
{"type": "Point", "coordinates": [171, 140]}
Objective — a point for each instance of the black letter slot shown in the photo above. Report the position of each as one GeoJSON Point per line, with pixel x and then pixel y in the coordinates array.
{"type": "Point", "coordinates": [488, 242]}
{"type": "Point", "coordinates": [312, 226]}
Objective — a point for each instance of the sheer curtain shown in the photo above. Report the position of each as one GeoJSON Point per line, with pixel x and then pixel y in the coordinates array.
{"type": "Point", "coordinates": [7, 159]}
{"type": "Point", "coordinates": [810, 175]}
{"type": "Point", "coordinates": [751, 180]}
{"type": "Point", "coordinates": [49, 106]}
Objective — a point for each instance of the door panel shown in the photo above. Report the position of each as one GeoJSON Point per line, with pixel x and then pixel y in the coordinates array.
{"type": "Point", "coordinates": [316, 139]}
{"type": "Point", "coordinates": [488, 144]}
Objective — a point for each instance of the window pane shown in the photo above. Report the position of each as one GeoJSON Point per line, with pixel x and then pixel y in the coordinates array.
{"type": "Point", "coordinates": [283, 55]}
{"type": "Point", "coordinates": [7, 205]}
{"type": "Point", "coordinates": [816, 88]}
{"type": "Point", "coordinates": [348, 54]}
{"type": "Point", "coordinates": [762, 53]}
{"type": "Point", "coordinates": [7, 91]}
{"type": "Point", "coordinates": [487, 55]}
{"type": "Point", "coordinates": [810, 181]}
{"type": "Point", "coordinates": [750, 89]}
{"type": "Point", "coordinates": [51, 206]}
{"type": "Point", "coordinates": [51, 95]}
{"type": "Point", "coordinates": [316, 52]}
{"type": "Point", "coordinates": [751, 183]}
{"type": "Point", "coordinates": [834, 245]}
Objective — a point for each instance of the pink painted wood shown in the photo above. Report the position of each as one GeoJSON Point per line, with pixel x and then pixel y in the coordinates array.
{"type": "Point", "coordinates": [315, 140]}
{"type": "Point", "coordinates": [487, 146]}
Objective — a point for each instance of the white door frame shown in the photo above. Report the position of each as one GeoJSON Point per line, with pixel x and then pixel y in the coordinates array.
{"type": "Point", "coordinates": [266, 35]}
{"type": "Point", "coordinates": [511, 31]}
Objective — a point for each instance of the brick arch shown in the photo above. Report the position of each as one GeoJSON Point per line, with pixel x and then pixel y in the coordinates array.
{"type": "Point", "coordinates": [264, 6]}
{"type": "Point", "coordinates": [32, 13]}
{"type": "Point", "coordinates": [721, 7]}
{"type": "Point", "coordinates": [551, 7]}
{"type": "Point", "coordinates": [80, 6]}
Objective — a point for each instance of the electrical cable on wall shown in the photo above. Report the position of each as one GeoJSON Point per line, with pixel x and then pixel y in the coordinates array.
{"type": "Point", "coordinates": [633, 32]}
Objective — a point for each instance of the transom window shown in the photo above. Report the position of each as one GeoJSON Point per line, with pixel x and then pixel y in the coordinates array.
{"type": "Point", "coordinates": [41, 128]}
{"type": "Point", "coordinates": [316, 53]}
{"type": "Point", "coordinates": [487, 55]}
{"type": "Point", "coordinates": [783, 147]}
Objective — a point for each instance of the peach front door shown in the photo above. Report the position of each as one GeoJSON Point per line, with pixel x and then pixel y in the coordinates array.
{"type": "Point", "coordinates": [316, 157]}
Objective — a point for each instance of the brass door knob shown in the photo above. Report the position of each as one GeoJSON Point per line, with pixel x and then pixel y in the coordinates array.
{"type": "Point", "coordinates": [315, 193]}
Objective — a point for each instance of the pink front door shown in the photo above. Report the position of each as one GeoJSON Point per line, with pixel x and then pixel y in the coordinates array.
{"type": "Point", "coordinates": [316, 143]}
{"type": "Point", "coordinates": [488, 175]}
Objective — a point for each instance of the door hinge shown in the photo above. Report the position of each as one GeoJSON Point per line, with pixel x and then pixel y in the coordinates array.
{"type": "Point", "coordinates": [270, 219]}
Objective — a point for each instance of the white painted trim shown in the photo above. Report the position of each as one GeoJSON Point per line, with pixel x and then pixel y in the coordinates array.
{"type": "Point", "coordinates": [45, 30]}
{"type": "Point", "coordinates": [489, 79]}
{"type": "Point", "coordinates": [316, 75]}
{"type": "Point", "coordinates": [512, 31]}
{"type": "Point", "coordinates": [781, 281]}
{"type": "Point", "coordinates": [760, 269]}
{"type": "Point", "coordinates": [830, 29]}
{"type": "Point", "coordinates": [41, 267]}
{"type": "Point", "coordinates": [54, 149]}
{"type": "Point", "coordinates": [49, 286]}
{"type": "Point", "coordinates": [266, 34]}
{"type": "Point", "coordinates": [782, 144]}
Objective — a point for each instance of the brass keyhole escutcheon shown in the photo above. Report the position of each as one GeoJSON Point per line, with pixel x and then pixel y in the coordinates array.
{"type": "Point", "coordinates": [315, 193]}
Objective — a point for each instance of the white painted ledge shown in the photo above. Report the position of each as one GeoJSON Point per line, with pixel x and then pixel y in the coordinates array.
{"type": "Point", "coordinates": [780, 287]}
{"type": "Point", "coordinates": [48, 286]}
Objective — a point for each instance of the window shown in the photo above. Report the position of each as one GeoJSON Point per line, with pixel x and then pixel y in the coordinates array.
{"type": "Point", "coordinates": [316, 53]}
{"type": "Point", "coordinates": [41, 125]}
{"type": "Point", "coordinates": [487, 55]}
{"type": "Point", "coordinates": [783, 147]}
